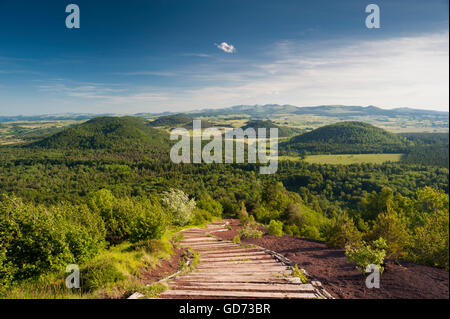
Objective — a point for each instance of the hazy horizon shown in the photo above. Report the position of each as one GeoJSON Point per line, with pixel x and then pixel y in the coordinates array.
{"type": "Point", "coordinates": [200, 109]}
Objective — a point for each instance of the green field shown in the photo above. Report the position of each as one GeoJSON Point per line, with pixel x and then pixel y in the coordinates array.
{"type": "Point", "coordinates": [347, 159]}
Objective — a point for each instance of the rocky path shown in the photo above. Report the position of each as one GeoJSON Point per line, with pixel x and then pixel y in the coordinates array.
{"type": "Point", "coordinates": [228, 270]}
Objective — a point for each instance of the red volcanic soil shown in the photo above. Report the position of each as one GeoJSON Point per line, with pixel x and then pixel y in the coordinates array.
{"type": "Point", "coordinates": [166, 268]}
{"type": "Point", "coordinates": [400, 280]}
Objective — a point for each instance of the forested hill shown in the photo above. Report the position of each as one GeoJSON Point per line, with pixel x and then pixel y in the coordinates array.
{"type": "Point", "coordinates": [176, 120]}
{"type": "Point", "coordinates": [114, 133]}
{"type": "Point", "coordinates": [283, 131]}
{"type": "Point", "coordinates": [347, 137]}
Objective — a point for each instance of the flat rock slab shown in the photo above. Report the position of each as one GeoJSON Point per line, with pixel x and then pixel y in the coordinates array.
{"type": "Point", "coordinates": [229, 270]}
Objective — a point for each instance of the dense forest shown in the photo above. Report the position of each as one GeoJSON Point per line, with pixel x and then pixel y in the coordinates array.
{"type": "Point", "coordinates": [112, 181]}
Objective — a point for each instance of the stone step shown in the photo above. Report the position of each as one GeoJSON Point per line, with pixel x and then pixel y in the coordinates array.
{"type": "Point", "coordinates": [237, 258]}
{"type": "Point", "coordinates": [244, 263]}
{"type": "Point", "coordinates": [267, 278]}
{"type": "Point", "coordinates": [230, 286]}
{"type": "Point", "coordinates": [236, 294]}
{"type": "Point", "coordinates": [231, 250]}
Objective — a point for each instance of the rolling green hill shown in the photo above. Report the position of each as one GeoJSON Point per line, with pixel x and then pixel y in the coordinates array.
{"type": "Point", "coordinates": [283, 131]}
{"type": "Point", "coordinates": [176, 120]}
{"type": "Point", "coordinates": [347, 137]}
{"type": "Point", "coordinates": [107, 133]}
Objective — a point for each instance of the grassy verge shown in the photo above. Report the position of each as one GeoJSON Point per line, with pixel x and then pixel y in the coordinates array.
{"type": "Point", "coordinates": [114, 273]}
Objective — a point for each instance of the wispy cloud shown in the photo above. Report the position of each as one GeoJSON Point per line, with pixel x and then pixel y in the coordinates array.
{"type": "Point", "coordinates": [199, 55]}
{"type": "Point", "coordinates": [402, 71]}
{"type": "Point", "coordinates": [228, 48]}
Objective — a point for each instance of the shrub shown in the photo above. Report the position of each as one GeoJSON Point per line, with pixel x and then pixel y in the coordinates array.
{"type": "Point", "coordinates": [393, 230]}
{"type": "Point", "coordinates": [367, 255]}
{"type": "Point", "coordinates": [179, 206]}
{"type": "Point", "coordinates": [200, 217]}
{"type": "Point", "coordinates": [250, 230]}
{"type": "Point", "coordinates": [236, 239]}
{"type": "Point", "coordinates": [310, 232]}
{"type": "Point", "coordinates": [150, 222]}
{"type": "Point", "coordinates": [291, 230]}
{"type": "Point", "coordinates": [292, 215]}
{"type": "Point", "coordinates": [117, 214]}
{"type": "Point", "coordinates": [430, 244]}
{"type": "Point", "coordinates": [275, 228]}
{"type": "Point", "coordinates": [36, 239]}
{"type": "Point", "coordinates": [342, 232]}
{"type": "Point", "coordinates": [210, 205]}
{"type": "Point", "coordinates": [99, 274]}
{"type": "Point", "coordinates": [243, 215]}
{"type": "Point", "coordinates": [265, 215]}
{"type": "Point", "coordinates": [296, 272]}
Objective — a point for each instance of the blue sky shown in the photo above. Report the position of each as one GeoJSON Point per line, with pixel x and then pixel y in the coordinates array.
{"type": "Point", "coordinates": [170, 55]}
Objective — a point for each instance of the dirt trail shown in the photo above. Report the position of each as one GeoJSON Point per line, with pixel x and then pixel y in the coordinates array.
{"type": "Point", "coordinates": [228, 270]}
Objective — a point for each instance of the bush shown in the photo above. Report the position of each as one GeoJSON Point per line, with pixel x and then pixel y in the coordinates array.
{"type": "Point", "coordinates": [236, 239]}
{"type": "Point", "coordinates": [342, 232]}
{"type": "Point", "coordinates": [367, 255]}
{"type": "Point", "coordinates": [296, 272]}
{"type": "Point", "coordinates": [117, 214]}
{"type": "Point", "coordinates": [210, 205]}
{"type": "Point", "coordinates": [275, 228]}
{"type": "Point", "coordinates": [291, 230]}
{"type": "Point", "coordinates": [99, 274]}
{"type": "Point", "coordinates": [393, 230]}
{"type": "Point", "coordinates": [150, 222]}
{"type": "Point", "coordinates": [243, 215]}
{"type": "Point", "coordinates": [265, 215]}
{"type": "Point", "coordinates": [179, 206]}
{"type": "Point", "coordinates": [430, 244]}
{"type": "Point", "coordinates": [200, 217]}
{"type": "Point", "coordinates": [310, 232]}
{"type": "Point", "coordinates": [36, 239]}
{"type": "Point", "coordinates": [250, 230]}
{"type": "Point", "coordinates": [293, 216]}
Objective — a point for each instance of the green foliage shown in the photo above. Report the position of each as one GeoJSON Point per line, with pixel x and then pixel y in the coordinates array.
{"type": "Point", "coordinates": [107, 133]}
{"type": "Point", "coordinates": [367, 255]}
{"type": "Point", "coordinates": [275, 228]}
{"type": "Point", "coordinates": [99, 274]}
{"type": "Point", "coordinates": [393, 230]}
{"type": "Point", "coordinates": [236, 239]}
{"type": "Point", "coordinates": [201, 217]}
{"type": "Point", "coordinates": [310, 231]}
{"type": "Point", "coordinates": [179, 205]}
{"type": "Point", "coordinates": [150, 222]}
{"type": "Point", "coordinates": [342, 232]}
{"type": "Point", "coordinates": [36, 239]}
{"type": "Point", "coordinates": [283, 131]}
{"type": "Point", "coordinates": [430, 240]}
{"type": "Point", "coordinates": [250, 230]}
{"type": "Point", "coordinates": [348, 137]}
{"type": "Point", "coordinates": [206, 202]}
{"type": "Point", "coordinates": [176, 120]}
{"type": "Point", "coordinates": [291, 230]}
{"type": "Point", "coordinates": [243, 215]}
{"type": "Point", "coordinates": [296, 272]}
{"type": "Point", "coordinates": [128, 219]}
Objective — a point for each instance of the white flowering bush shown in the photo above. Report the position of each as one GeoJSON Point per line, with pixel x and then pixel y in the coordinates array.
{"type": "Point", "coordinates": [179, 206]}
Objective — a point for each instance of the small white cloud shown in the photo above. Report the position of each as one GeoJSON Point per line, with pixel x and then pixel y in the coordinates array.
{"type": "Point", "coordinates": [228, 48]}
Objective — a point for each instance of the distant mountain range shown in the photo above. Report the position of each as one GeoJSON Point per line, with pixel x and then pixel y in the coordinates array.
{"type": "Point", "coordinates": [264, 111]}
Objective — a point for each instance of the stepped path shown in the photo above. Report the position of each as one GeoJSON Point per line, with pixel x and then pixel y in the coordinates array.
{"type": "Point", "coordinates": [228, 270]}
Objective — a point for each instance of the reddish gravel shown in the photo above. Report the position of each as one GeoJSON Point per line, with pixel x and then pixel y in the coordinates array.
{"type": "Point", "coordinates": [166, 268]}
{"type": "Point", "coordinates": [400, 280]}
